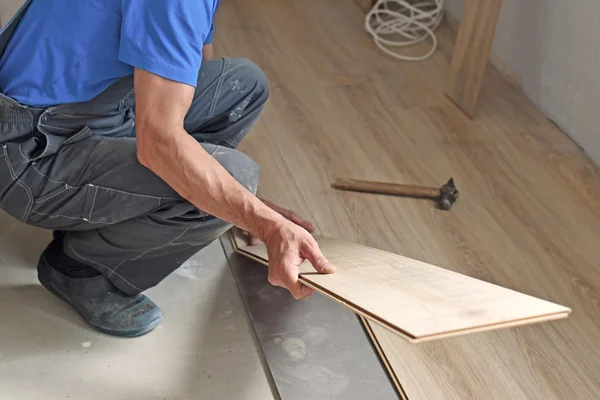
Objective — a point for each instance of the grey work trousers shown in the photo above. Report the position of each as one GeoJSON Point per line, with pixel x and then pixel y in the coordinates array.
{"type": "Point", "coordinates": [73, 168]}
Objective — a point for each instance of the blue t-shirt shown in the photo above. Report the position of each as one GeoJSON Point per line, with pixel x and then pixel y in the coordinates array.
{"type": "Point", "coordinates": [66, 51]}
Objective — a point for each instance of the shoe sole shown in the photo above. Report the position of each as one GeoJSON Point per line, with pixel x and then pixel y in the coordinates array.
{"type": "Point", "coordinates": [44, 278]}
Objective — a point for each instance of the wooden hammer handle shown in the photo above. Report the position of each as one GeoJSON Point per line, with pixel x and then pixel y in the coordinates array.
{"type": "Point", "coordinates": [386, 188]}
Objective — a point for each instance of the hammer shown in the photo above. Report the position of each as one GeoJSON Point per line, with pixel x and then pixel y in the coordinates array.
{"type": "Point", "coordinates": [445, 196]}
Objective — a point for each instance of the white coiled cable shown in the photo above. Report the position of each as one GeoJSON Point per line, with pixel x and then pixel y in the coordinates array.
{"type": "Point", "coordinates": [404, 24]}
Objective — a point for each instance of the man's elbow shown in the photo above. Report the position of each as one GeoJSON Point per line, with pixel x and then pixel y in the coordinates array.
{"type": "Point", "coordinates": [143, 149]}
{"type": "Point", "coordinates": [208, 52]}
{"type": "Point", "coordinates": [154, 146]}
{"type": "Point", "coordinates": [142, 157]}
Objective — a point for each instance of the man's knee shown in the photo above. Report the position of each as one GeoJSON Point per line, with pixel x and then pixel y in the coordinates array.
{"type": "Point", "coordinates": [243, 169]}
{"type": "Point", "coordinates": [247, 75]}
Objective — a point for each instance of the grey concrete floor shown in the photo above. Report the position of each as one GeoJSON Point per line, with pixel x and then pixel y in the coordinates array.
{"type": "Point", "coordinates": [205, 348]}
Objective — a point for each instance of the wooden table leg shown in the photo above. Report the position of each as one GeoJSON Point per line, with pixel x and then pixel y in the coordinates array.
{"type": "Point", "coordinates": [471, 53]}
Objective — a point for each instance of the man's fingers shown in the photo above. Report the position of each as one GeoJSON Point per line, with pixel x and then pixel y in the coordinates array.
{"type": "Point", "coordinates": [290, 281]}
{"type": "Point", "coordinates": [299, 291]}
{"type": "Point", "coordinates": [296, 290]}
{"type": "Point", "coordinates": [292, 216]}
{"type": "Point", "coordinates": [306, 291]}
{"type": "Point", "coordinates": [303, 223]}
{"type": "Point", "coordinates": [253, 240]}
{"type": "Point", "coordinates": [317, 259]}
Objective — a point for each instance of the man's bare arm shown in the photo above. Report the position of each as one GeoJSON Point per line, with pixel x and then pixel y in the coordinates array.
{"type": "Point", "coordinates": [169, 151]}
{"type": "Point", "coordinates": [208, 52]}
{"type": "Point", "coordinates": [164, 147]}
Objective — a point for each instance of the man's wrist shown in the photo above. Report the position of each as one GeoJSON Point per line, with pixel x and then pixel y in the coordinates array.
{"type": "Point", "coordinates": [265, 222]}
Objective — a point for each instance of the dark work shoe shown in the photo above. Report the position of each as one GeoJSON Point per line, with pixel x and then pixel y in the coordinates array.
{"type": "Point", "coordinates": [101, 304]}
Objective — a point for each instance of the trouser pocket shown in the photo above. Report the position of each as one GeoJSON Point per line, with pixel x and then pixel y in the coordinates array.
{"type": "Point", "coordinates": [109, 206]}
{"type": "Point", "coordinates": [88, 207]}
{"type": "Point", "coordinates": [15, 196]}
{"type": "Point", "coordinates": [62, 209]}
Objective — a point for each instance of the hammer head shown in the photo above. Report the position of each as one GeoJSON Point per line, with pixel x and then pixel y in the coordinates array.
{"type": "Point", "coordinates": [448, 195]}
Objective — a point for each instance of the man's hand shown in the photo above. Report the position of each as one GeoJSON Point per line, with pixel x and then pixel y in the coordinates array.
{"type": "Point", "coordinates": [288, 245]}
{"type": "Point", "coordinates": [288, 214]}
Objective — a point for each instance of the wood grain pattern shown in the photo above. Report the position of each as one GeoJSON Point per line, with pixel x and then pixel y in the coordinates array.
{"type": "Point", "coordinates": [418, 301]}
{"type": "Point", "coordinates": [528, 218]}
{"type": "Point", "coordinates": [472, 52]}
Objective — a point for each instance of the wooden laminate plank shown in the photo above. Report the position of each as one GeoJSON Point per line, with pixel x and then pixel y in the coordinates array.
{"type": "Point", "coordinates": [383, 356]}
{"type": "Point", "coordinates": [471, 53]}
{"type": "Point", "coordinates": [416, 300]}
{"type": "Point", "coordinates": [528, 217]}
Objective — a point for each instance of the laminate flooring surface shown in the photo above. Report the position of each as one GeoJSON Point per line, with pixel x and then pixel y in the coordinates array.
{"type": "Point", "coordinates": [528, 217]}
